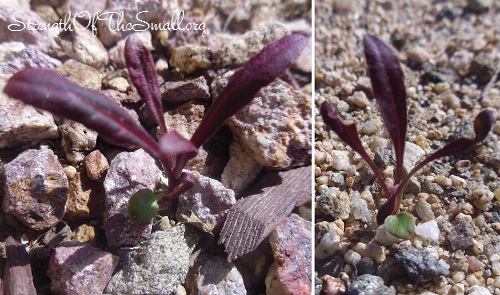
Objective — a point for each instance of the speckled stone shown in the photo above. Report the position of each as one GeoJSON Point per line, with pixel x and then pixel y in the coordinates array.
{"type": "Point", "coordinates": [86, 198]}
{"type": "Point", "coordinates": [81, 74]}
{"type": "Point", "coordinates": [419, 265]}
{"type": "Point", "coordinates": [128, 173]}
{"type": "Point", "coordinates": [334, 202]}
{"type": "Point", "coordinates": [275, 127]}
{"type": "Point", "coordinates": [78, 268]}
{"type": "Point", "coordinates": [214, 275]}
{"type": "Point", "coordinates": [185, 90]}
{"type": "Point", "coordinates": [369, 284]}
{"type": "Point", "coordinates": [16, 32]}
{"type": "Point", "coordinates": [77, 140]}
{"type": "Point", "coordinates": [206, 204]}
{"type": "Point", "coordinates": [460, 238]}
{"type": "Point", "coordinates": [291, 272]}
{"type": "Point", "coordinates": [35, 189]}
{"type": "Point", "coordinates": [96, 165]}
{"type": "Point", "coordinates": [159, 265]}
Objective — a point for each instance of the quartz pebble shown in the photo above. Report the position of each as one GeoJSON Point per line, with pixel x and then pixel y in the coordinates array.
{"type": "Point", "coordinates": [328, 245]}
{"type": "Point", "coordinates": [424, 210]}
{"type": "Point", "coordinates": [359, 208]}
{"type": "Point", "coordinates": [428, 230]}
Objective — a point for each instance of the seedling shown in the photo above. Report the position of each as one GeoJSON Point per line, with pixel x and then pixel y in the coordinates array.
{"type": "Point", "coordinates": [389, 90]}
{"type": "Point", "coordinates": [44, 89]}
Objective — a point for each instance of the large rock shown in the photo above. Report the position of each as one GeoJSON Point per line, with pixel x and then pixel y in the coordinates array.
{"type": "Point", "coordinates": [291, 272]}
{"type": "Point", "coordinates": [36, 189]}
{"type": "Point", "coordinates": [275, 127]}
{"type": "Point", "coordinates": [78, 268]}
{"type": "Point", "coordinates": [15, 27]}
{"type": "Point", "coordinates": [206, 204]}
{"type": "Point", "coordinates": [159, 266]}
{"type": "Point", "coordinates": [128, 173]}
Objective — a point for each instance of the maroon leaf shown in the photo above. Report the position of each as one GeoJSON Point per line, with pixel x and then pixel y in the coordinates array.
{"type": "Point", "coordinates": [142, 70]}
{"type": "Point", "coordinates": [242, 87]}
{"type": "Point", "coordinates": [18, 278]}
{"type": "Point", "coordinates": [482, 126]}
{"type": "Point", "coordinates": [349, 135]}
{"type": "Point", "coordinates": [46, 90]}
{"type": "Point", "coordinates": [389, 90]}
{"type": "Point", "coordinates": [174, 145]}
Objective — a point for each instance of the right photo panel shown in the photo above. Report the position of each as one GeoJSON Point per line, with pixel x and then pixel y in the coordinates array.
{"type": "Point", "coordinates": [407, 150]}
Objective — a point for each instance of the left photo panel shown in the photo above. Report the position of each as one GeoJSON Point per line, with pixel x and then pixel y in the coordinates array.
{"type": "Point", "coordinates": [156, 147]}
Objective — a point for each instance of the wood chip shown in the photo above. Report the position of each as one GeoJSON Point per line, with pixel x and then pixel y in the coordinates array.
{"type": "Point", "coordinates": [253, 218]}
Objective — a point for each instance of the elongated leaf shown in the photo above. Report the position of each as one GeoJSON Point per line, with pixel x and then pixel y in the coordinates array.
{"type": "Point", "coordinates": [46, 90]}
{"type": "Point", "coordinates": [389, 89]}
{"type": "Point", "coordinates": [242, 87]}
{"type": "Point", "coordinates": [349, 135]}
{"type": "Point", "coordinates": [482, 126]}
{"type": "Point", "coordinates": [142, 70]}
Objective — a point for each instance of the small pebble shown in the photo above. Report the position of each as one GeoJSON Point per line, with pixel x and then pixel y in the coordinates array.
{"type": "Point", "coordinates": [458, 276]}
{"type": "Point", "coordinates": [424, 210]}
{"type": "Point", "coordinates": [370, 127]}
{"type": "Point", "coordinates": [352, 257]}
{"type": "Point", "coordinates": [119, 83]}
{"type": "Point", "coordinates": [458, 181]}
{"type": "Point", "coordinates": [495, 268]}
{"type": "Point", "coordinates": [342, 106]}
{"type": "Point", "coordinates": [328, 245]}
{"type": "Point", "coordinates": [428, 230]}
{"type": "Point", "coordinates": [376, 252]}
{"type": "Point", "coordinates": [443, 180]}
{"type": "Point", "coordinates": [359, 99]}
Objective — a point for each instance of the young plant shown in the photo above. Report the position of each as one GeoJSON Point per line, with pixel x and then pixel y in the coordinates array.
{"type": "Point", "coordinates": [44, 89]}
{"type": "Point", "coordinates": [387, 81]}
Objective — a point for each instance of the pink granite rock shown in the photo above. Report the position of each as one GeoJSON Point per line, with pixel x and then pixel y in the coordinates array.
{"type": "Point", "coordinates": [206, 204]}
{"type": "Point", "coordinates": [291, 272]}
{"type": "Point", "coordinates": [14, 27]}
{"type": "Point", "coordinates": [128, 173]}
{"type": "Point", "coordinates": [78, 268]}
{"type": "Point", "coordinates": [36, 189]}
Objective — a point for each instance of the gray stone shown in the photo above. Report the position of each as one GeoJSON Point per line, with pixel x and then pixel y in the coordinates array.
{"type": "Point", "coordinates": [240, 49]}
{"type": "Point", "coordinates": [275, 127]}
{"type": "Point", "coordinates": [214, 275]}
{"type": "Point", "coordinates": [334, 202]}
{"type": "Point", "coordinates": [291, 272]}
{"type": "Point", "coordinates": [160, 264]}
{"type": "Point", "coordinates": [185, 90]}
{"type": "Point", "coordinates": [419, 265]}
{"type": "Point", "coordinates": [14, 27]}
{"type": "Point", "coordinates": [336, 179]}
{"type": "Point", "coordinates": [78, 268]}
{"type": "Point", "coordinates": [82, 45]}
{"type": "Point", "coordinates": [382, 157]}
{"type": "Point", "coordinates": [128, 173]}
{"type": "Point", "coordinates": [483, 66]}
{"type": "Point", "coordinates": [206, 204]}
{"type": "Point", "coordinates": [460, 238]}
{"type": "Point", "coordinates": [35, 189]}
{"type": "Point", "coordinates": [241, 170]}
{"type": "Point", "coordinates": [369, 284]}
{"type": "Point", "coordinates": [77, 140]}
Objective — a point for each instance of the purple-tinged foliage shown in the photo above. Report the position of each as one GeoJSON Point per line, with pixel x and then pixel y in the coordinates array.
{"type": "Point", "coordinates": [142, 70]}
{"type": "Point", "coordinates": [46, 90]}
{"type": "Point", "coordinates": [242, 87]}
{"type": "Point", "coordinates": [387, 80]}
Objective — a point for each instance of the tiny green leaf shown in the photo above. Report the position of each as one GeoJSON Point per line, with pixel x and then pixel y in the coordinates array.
{"type": "Point", "coordinates": [143, 205]}
{"type": "Point", "coordinates": [401, 226]}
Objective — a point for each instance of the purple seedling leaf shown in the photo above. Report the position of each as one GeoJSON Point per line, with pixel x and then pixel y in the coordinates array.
{"type": "Point", "coordinates": [46, 90]}
{"type": "Point", "coordinates": [482, 126]}
{"type": "Point", "coordinates": [142, 70]}
{"type": "Point", "coordinates": [242, 87]}
{"type": "Point", "coordinates": [387, 80]}
{"type": "Point", "coordinates": [349, 135]}
{"type": "Point", "coordinates": [174, 146]}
